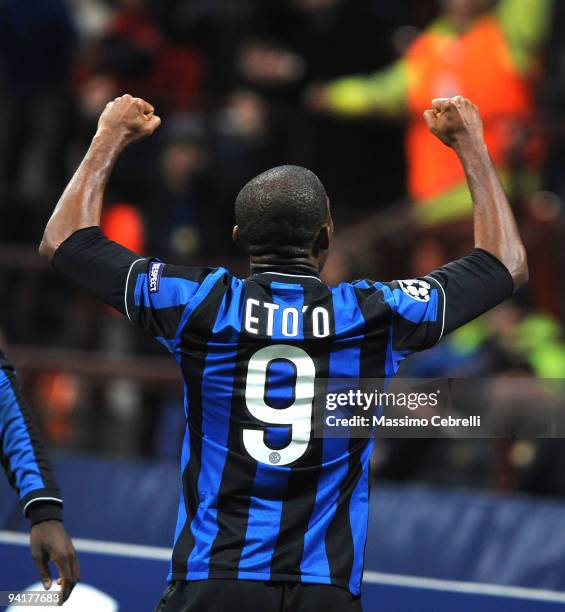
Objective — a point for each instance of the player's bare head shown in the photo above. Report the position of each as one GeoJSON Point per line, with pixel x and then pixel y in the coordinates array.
{"type": "Point", "coordinates": [284, 213]}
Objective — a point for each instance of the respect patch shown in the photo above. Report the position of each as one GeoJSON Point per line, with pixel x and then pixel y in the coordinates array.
{"type": "Point", "coordinates": [155, 272]}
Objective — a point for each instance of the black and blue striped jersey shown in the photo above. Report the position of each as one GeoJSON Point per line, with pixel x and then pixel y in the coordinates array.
{"type": "Point", "coordinates": [262, 497]}
{"type": "Point", "coordinates": [23, 453]}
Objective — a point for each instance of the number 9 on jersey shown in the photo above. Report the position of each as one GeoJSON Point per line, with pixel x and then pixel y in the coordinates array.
{"type": "Point", "coordinates": [297, 416]}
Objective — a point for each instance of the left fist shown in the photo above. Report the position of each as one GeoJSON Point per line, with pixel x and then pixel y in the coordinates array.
{"type": "Point", "coordinates": [455, 121]}
{"type": "Point", "coordinates": [129, 118]}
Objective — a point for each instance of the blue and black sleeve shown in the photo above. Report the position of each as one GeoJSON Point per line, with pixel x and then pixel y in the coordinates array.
{"type": "Point", "coordinates": [426, 308]}
{"type": "Point", "coordinates": [23, 452]}
{"type": "Point", "coordinates": [156, 296]}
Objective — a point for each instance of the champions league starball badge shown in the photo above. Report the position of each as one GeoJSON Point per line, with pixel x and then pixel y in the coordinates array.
{"type": "Point", "coordinates": [416, 289]}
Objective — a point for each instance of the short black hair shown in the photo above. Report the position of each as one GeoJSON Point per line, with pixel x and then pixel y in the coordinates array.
{"type": "Point", "coordinates": [281, 211]}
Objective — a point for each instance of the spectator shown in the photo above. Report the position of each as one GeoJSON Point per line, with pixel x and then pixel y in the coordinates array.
{"type": "Point", "coordinates": [177, 199]}
{"type": "Point", "coordinates": [444, 61]}
{"type": "Point", "coordinates": [37, 40]}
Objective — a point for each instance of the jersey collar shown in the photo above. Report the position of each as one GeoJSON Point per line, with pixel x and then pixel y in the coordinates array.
{"type": "Point", "coordinates": [287, 274]}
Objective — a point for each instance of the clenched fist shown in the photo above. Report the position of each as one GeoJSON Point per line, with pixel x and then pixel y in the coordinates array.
{"type": "Point", "coordinates": [129, 119]}
{"type": "Point", "coordinates": [455, 121]}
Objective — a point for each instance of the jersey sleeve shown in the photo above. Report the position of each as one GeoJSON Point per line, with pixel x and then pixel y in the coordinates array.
{"type": "Point", "coordinates": [23, 453]}
{"type": "Point", "coordinates": [472, 285]}
{"type": "Point", "coordinates": [418, 313]}
{"type": "Point", "coordinates": [427, 308]}
{"type": "Point", "coordinates": [154, 295]}
{"type": "Point", "coordinates": [159, 297]}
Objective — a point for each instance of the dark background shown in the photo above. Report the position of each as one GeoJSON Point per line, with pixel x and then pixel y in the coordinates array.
{"type": "Point", "coordinates": [97, 383]}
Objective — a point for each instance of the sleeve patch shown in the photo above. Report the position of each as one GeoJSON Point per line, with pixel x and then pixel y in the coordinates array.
{"type": "Point", "coordinates": [417, 289]}
{"type": "Point", "coordinates": [155, 272]}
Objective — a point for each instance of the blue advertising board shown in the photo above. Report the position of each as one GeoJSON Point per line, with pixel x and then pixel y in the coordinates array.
{"type": "Point", "coordinates": [428, 549]}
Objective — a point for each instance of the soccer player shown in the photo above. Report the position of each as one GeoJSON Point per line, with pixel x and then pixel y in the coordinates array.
{"type": "Point", "coordinates": [272, 517]}
{"type": "Point", "coordinates": [27, 467]}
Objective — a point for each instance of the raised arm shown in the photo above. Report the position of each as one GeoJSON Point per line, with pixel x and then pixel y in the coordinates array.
{"type": "Point", "coordinates": [124, 121]}
{"type": "Point", "coordinates": [457, 123]}
{"type": "Point", "coordinates": [150, 293]}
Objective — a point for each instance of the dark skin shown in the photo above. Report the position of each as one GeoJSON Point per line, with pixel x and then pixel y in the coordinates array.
{"type": "Point", "coordinates": [455, 121]}
{"type": "Point", "coordinates": [315, 259]}
{"type": "Point", "coordinates": [49, 541]}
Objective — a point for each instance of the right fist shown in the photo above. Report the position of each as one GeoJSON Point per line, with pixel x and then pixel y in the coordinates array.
{"type": "Point", "coordinates": [129, 118]}
{"type": "Point", "coordinates": [455, 121]}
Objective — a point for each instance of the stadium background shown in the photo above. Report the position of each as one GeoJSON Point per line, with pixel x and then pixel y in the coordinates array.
{"type": "Point", "coordinates": [234, 82]}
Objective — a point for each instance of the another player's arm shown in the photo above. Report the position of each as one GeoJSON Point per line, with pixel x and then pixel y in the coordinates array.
{"type": "Point", "coordinates": [23, 454]}
{"type": "Point", "coordinates": [457, 123]}
{"type": "Point", "coordinates": [124, 121]}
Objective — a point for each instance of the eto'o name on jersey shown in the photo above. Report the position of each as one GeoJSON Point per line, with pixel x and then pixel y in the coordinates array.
{"type": "Point", "coordinates": [317, 319]}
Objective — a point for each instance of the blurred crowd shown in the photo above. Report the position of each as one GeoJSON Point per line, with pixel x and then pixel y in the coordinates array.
{"type": "Point", "coordinates": [228, 78]}
{"type": "Point", "coordinates": [242, 85]}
